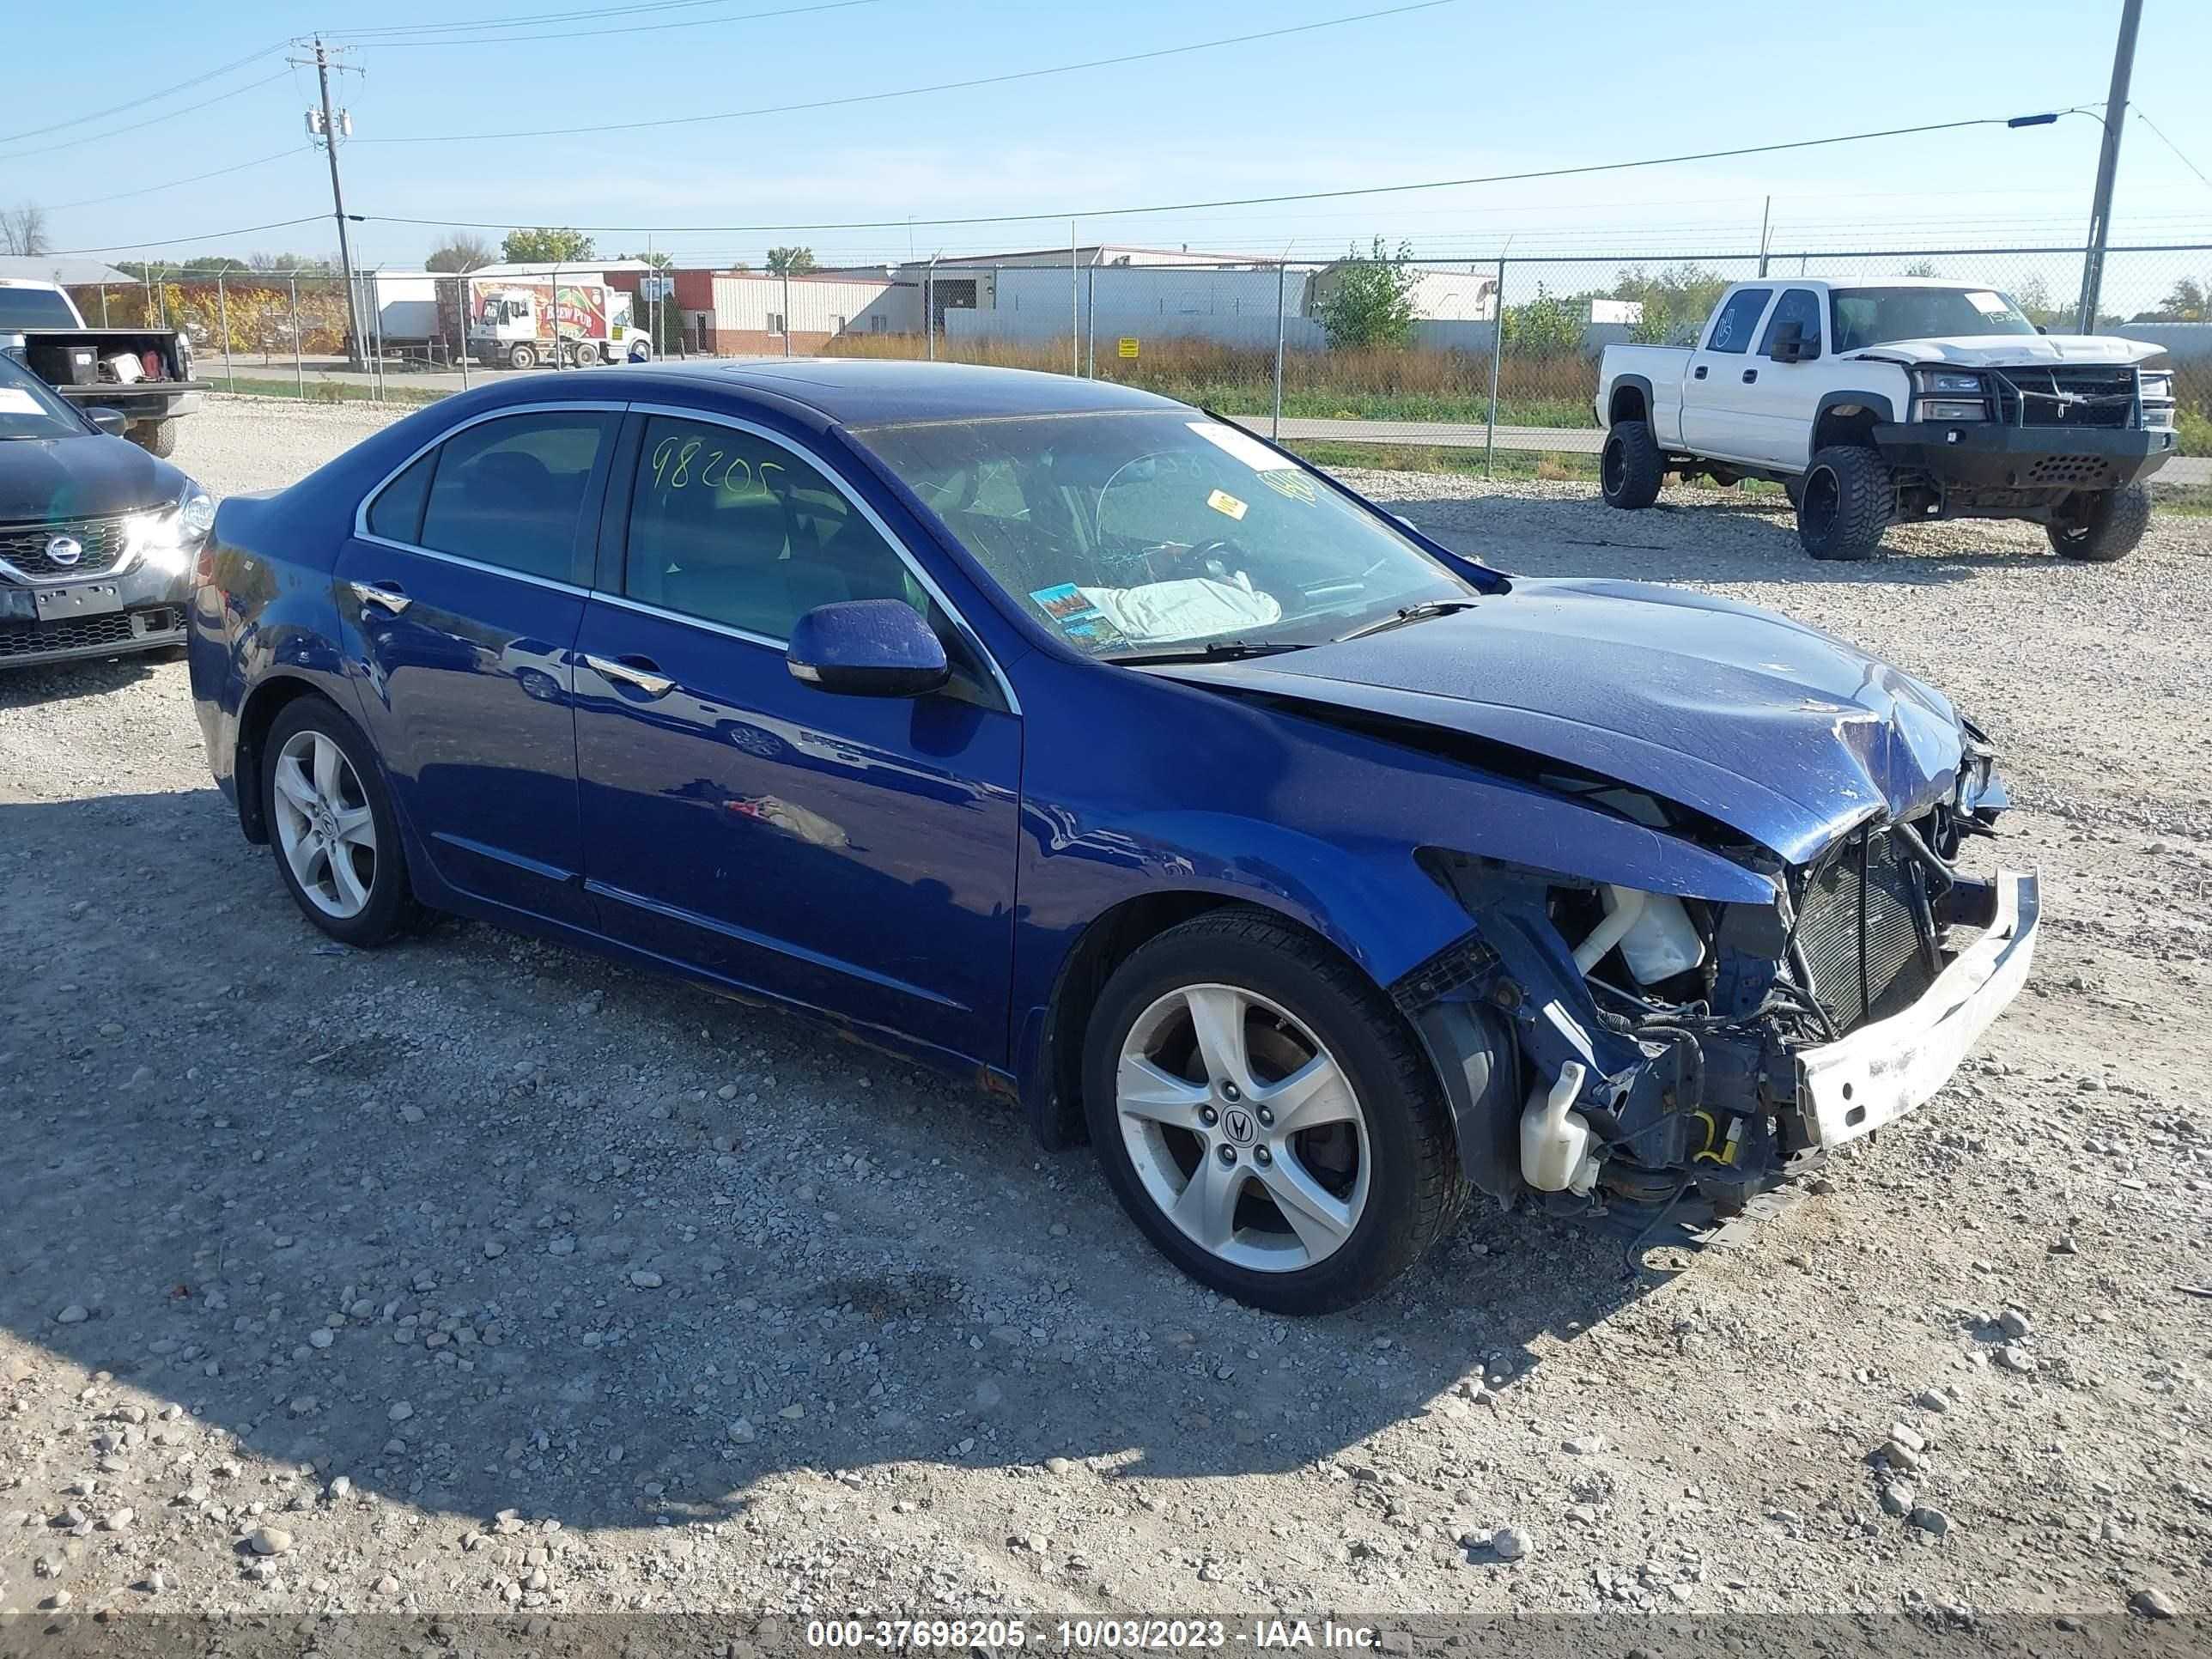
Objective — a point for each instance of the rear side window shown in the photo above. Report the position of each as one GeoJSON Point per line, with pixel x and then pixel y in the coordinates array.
{"type": "Point", "coordinates": [1739, 316]}
{"type": "Point", "coordinates": [511, 492]}
{"type": "Point", "coordinates": [1800, 306]}
{"type": "Point", "coordinates": [395, 514]}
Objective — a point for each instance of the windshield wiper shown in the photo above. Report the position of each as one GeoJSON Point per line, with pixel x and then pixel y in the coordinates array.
{"type": "Point", "coordinates": [1412, 613]}
{"type": "Point", "coordinates": [1212, 650]}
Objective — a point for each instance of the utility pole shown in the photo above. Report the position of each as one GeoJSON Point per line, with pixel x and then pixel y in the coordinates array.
{"type": "Point", "coordinates": [2108, 165]}
{"type": "Point", "coordinates": [330, 137]}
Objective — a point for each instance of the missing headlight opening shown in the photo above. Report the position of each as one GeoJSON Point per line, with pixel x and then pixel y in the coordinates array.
{"type": "Point", "coordinates": [1664, 1040]}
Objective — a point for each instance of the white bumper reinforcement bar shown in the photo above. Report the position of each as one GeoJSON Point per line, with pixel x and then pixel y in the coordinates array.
{"type": "Point", "coordinates": [1881, 1072]}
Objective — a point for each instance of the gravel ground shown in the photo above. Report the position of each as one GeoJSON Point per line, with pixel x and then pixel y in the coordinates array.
{"type": "Point", "coordinates": [476, 1273]}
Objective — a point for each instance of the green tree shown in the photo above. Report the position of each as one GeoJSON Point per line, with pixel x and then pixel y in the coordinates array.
{"type": "Point", "coordinates": [1676, 300]}
{"type": "Point", "coordinates": [459, 253]}
{"type": "Point", "coordinates": [2185, 302]}
{"type": "Point", "coordinates": [544, 246]}
{"type": "Point", "coordinates": [1368, 299]}
{"type": "Point", "coordinates": [1546, 324]}
{"type": "Point", "coordinates": [791, 261]}
{"type": "Point", "coordinates": [1922, 268]}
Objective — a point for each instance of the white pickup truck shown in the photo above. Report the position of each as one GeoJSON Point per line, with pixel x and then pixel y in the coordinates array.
{"type": "Point", "coordinates": [1895, 398]}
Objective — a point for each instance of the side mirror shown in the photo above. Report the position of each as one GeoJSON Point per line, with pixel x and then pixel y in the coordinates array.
{"type": "Point", "coordinates": [866, 648]}
{"type": "Point", "coordinates": [2041, 329]}
{"type": "Point", "coordinates": [113, 421]}
{"type": "Point", "coordinates": [1790, 345]}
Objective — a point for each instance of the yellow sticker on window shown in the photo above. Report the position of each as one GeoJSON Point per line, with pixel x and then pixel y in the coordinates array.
{"type": "Point", "coordinates": [1222, 502]}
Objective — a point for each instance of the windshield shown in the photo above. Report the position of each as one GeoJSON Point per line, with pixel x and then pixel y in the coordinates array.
{"type": "Point", "coordinates": [1132, 532]}
{"type": "Point", "coordinates": [28, 409]}
{"type": "Point", "coordinates": [1873, 316]}
{"type": "Point", "coordinates": [34, 307]}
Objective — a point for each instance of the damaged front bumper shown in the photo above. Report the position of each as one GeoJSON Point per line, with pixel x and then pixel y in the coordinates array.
{"type": "Point", "coordinates": [1886, 1068]}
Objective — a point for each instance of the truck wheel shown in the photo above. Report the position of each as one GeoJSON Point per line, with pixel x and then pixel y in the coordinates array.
{"type": "Point", "coordinates": [1844, 501]}
{"type": "Point", "coordinates": [2102, 526]}
{"type": "Point", "coordinates": [1631, 469]}
{"type": "Point", "coordinates": [160, 438]}
{"type": "Point", "coordinates": [587, 353]}
{"type": "Point", "coordinates": [521, 355]}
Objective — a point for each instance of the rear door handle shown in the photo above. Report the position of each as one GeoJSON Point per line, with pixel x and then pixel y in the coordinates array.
{"type": "Point", "coordinates": [387, 594]}
{"type": "Point", "coordinates": [639, 671]}
{"type": "Point", "coordinates": [1750, 375]}
{"type": "Point", "coordinates": [1699, 373]}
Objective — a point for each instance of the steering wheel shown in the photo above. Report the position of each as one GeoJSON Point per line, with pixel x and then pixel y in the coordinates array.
{"type": "Point", "coordinates": [1198, 559]}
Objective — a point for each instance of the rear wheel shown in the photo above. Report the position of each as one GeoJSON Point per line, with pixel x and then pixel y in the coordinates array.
{"type": "Point", "coordinates": [521, 355]}
{"type": "Point", "coordinates": [2103, 525]}
{"type": "Point", "coordinates": [587, 353]}
{"type": "Point", "coordinates": [1265, 1117]}
{"type": "Point", "coordinates": [1631, 468]}
{"type": "Point", "coordinates": [1844, 503]}
{"type": "Point", "coordinates": [157, 438]}
{"type": "Point", "coordinates": [338, 842]}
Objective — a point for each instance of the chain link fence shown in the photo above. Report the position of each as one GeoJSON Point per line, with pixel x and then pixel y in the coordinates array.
{"type": "Point", "coordinates": [1498, 353]}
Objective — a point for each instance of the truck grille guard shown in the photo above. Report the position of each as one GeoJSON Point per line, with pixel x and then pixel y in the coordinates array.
{"type": "Point", "coordinates": [2109, 400]}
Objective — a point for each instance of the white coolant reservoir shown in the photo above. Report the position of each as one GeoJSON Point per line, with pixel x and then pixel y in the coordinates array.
{"type": "Point", "coordinates": [1663, 941]}
{"type": "Point", "coordinates": [1557, 1147]}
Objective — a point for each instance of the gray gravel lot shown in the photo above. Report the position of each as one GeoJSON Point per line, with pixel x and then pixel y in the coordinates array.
{"type": "Point", "coordinates": [476, 1273]}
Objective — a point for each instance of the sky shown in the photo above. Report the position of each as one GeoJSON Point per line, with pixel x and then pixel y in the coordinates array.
{"type": "Point", "coordinates": [1465, 87]}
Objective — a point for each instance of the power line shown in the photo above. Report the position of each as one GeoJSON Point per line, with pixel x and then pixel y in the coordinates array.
{"type": "Point", "coordinates": [627, 28]}
{"type": "Point", "coordinates": [117, 132]}
{"type": "Point", "coordinates": [194, 236]}
{"type": "Point", "coordinates": [1063, 214]}
{"type": "Point", "coordinates": [151, 97]}
{"type": "Point", "coordinates": [148, 189]}
{"type": "Point", "coordinates": [2168, 142]}
{"type": "Point", "coordinates": [915, 92]}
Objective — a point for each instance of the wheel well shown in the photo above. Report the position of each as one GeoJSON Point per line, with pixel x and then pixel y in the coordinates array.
{"type": "Point", "coordinates": [1627, 404]}
{"type": "Point", "coordinates": [268, 699]}
{"type": "Point", "coordinates": [1844, 424]}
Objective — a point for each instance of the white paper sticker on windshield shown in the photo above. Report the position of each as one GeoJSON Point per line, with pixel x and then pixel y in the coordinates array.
{"type": "Point", "coordinates": [1989, 304]}
{"type": "Point", "coordinates": [14, 400]}
{"type": "Point", "coordinates": [1243, 445]}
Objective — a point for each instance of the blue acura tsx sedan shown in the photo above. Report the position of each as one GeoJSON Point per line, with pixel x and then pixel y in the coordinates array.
{"type": "Point", "coordinates": [1064, 736]}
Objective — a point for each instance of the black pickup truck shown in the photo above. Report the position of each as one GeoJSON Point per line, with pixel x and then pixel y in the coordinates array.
{"type": "Point", "coordinates": [145, 373]}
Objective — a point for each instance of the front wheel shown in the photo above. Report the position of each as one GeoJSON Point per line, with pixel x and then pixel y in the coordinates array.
{"type": "Point", "coordinates": [1631, 469]}
{"type": "Point", "coordinates": [1265, 1117]}
{"type": "Point", "coordinates": [2102, 526]}
{"type": "Point", "coordinates": [1846, 501]}
{"type": "Point", "coordinates": [337, 841]}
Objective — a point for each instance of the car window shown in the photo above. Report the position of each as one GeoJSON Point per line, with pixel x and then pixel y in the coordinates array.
{"type": "Point", "coordinates": [730, 527]}
{"type": "Point", "coordinates": [35, 308]}
{"type": "Point", "coordinates": [1739, 316]}
{"type": "Point", "coordinates": [509, 492]}
{"type": "Point", "coordinates": [396, 512]}
{"type": "Point", "coordinates": [1800, 306]}
{"type": "Point", "coordinates": [1873, 316]}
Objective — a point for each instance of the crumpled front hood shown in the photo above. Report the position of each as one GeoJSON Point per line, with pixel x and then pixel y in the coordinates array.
{"type": "Point", "coordinates": [2012, 350]}
{"type": "Point", "coordinates": [1780, 730]}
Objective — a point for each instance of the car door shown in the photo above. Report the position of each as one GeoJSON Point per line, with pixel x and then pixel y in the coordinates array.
{"type": "Point", "coordinates": [1780, 402]}
{"type": "Point", "coordinates": [1718, 414]}
{"type": "Point", "coordinates": [853, 854]}
{"type": "Point", "coordinates": [463, 588]}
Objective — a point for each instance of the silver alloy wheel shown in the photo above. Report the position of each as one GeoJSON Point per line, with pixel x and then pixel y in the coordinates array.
{"type": "Point", "coordinates": [324, 825]}
{"type": "Point", "coordinates": [1242, 1128]}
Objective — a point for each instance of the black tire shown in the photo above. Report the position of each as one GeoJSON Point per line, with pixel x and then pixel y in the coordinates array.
{"type": "Point", "coordinates": [587, 354]}
{"type": "Point", "coordinates": [2113, 521]}
{"type": "Point", "coordinates": [392, 909]}
{"type": "Point", "coordinates": [1846, 501]}
{"type": "Point", "coordinates": [1795, 490]}
{"type": "Point", "coordinates": [1631, 469]}
{"type": "Point", "coordinates": [157, 438]}
{"type": "Point", "coordinates": [521, 355]}
{"type": "Point", "coordinates": [1414, 1184]}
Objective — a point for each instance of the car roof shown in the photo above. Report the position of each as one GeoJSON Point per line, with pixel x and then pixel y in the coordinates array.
{"type": "Point", "coordinates": [867, 392]}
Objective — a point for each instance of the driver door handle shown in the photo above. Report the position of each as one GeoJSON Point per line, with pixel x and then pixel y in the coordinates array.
{"type": "Point", "coordinates": [387, 594]}
{"type": "Point", "coordinates": [1699, 373]}
{"type": "Point", "coordinates": [639, 671]}
{"type": "Point", "coordinates": [1750, 375]}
